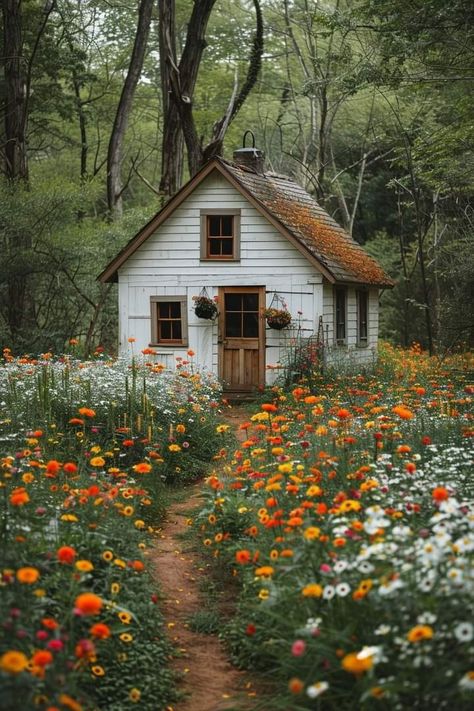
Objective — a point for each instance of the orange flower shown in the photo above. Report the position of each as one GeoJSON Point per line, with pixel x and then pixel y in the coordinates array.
{"type": "Point", "coordinates": [100, 630]}
{"type": "Point", "coordinates": [312, 590]}
{"type": "Point", "coordinates": [243, 556]}
{"type": "Point", "coordinates": [52, 468]}
{"type": "Point", "coordinates": [42, 658]}
{"type": "Point", "coordinates": [419, 633]}
{"type": "Point", "coordinates": [13, 662]}
{"type": "Point", "coordinates": [97, 462]}
{"type": "Point", "coordinates": [295, 685]}
{"type": "Point", "coordinates": [19, 496]}
{"type": "Point", "coordinates": [86, 412]}
{"type": "Point", "coordinates": [403, 412]}
{"type": "Point", "coordinates": [70, 467]}
{"type": "Point", "coordinates": [352, 664]}
{"type": "Point", "coordinates": [76, 421]}
{"type": "Point", "coordinates": [27, 575]}
{"type": "Point", "coordinates": [142, 468]}
{"type": "Point", "coordinates": [50, 623]}
{"type": "Point", "coordinates": [66, 554]}
{"type": "Point", "coordinates": [440, 493]}
{"type": "Point", "coordinates": [343, 414]}
{"type": "Point", "coordinates": [268, 407]}
{"type": "Point", "coordinates": [88, 604]}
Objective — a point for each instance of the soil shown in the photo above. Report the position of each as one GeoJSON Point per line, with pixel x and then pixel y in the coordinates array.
{"type": "Point", "coordinates": [209, 682]}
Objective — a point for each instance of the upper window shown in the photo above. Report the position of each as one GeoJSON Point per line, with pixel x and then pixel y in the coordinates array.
{"type": "Point", "coordinates": [340, 297]}
{"type": "Point", "coordinates": [168, 321]}
{"type": "Point", "coordinates": [362, 318]}
{"type": "Point", "coordinates": [220, 235]}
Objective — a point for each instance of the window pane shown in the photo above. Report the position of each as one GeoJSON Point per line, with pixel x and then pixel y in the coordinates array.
{"type": "Point", "coordinates": [227, 247]}
{"type": "Point", "coordinates": [340, 314]}
{"type": "Point", "coordinates": [226, 225]}
{"type": "Point", "coordinates": [363, 306]}
{"type": "Point", "coordinates": [176, 330]}
{"type": "Point", "coordinates": [175, 309]}
{"type": "Point", "coordinates": [214, 225]}
{"type": "Point", "coordinates": [233, 302]}
{"type": "Point", "coordinates": [233, 325]}
{"type": "Point", "coordinates": [250, 302]}
{"type": "Point", "coordinates": [165, 330]}
{"type": "Point", "coordinates": [164, 309]}
{"type": "Point", "coordinates": [250, 329]}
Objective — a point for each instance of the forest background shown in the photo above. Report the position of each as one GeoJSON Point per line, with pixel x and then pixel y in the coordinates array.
{"type": "Point", "coordinates": [108, 106]}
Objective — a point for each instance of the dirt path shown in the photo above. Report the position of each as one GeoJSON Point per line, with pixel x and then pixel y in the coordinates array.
{"type": "Point", "coordinates": [209, 680]}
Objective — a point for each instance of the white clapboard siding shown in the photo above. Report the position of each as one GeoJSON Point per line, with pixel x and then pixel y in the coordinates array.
{"type": "Point", "coordinates": [168, 263]}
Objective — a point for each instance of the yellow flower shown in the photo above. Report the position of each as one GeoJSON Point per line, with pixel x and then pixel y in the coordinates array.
{"type": "Point", "coordinates": [115, 588]}
{"type": "Point", "coordinates": [125, 617]}
{"type": "Point", "coordinates": [312, 590]}
{"type": "Point", "coordinates": [69, 517]}
{"type": "Point", "coordinates": [139, 523]}
{"type": "Point", "coordinates": [97, 461]}
{"type": "Point", "coordinates": [13, 662]}
{"type": "Point", "coordinates": [135, 694]}
{"type": "Point", "coordinates": [314, 490]}
{"type": "Point", "coordinates": [312, 533]}
{"type": "Point", "coordinates": [174, 448]}
{"type": "Point", "coordinates": [120, 563]}
{"type": "Point", "coordinates": [349, 505]}
{"type": "Point", "coordinates": [126, 637]}
{"type": "Point", "coordinates": [98, 670]}
{"type": "Point", "coordinates": [286, 467]}
{"type": "Point", "coordinates": [85, 566]}
{"type": "Point", "coordinates": [264, 594]}
{"type": "Point", "coordinates": [221, 429]}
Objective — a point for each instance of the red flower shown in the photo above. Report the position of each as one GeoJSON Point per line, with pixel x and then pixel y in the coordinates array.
{"type": "Point", "coordinates": [250, 630]}
{"type": "Point", "coordinates": [66, 554]}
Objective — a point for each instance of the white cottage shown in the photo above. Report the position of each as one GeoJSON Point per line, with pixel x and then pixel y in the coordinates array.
{"type": "Point", "coordinates": [251, 239]}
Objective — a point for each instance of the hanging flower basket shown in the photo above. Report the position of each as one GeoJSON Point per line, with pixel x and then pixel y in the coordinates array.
{"type": "Point", "coordinates": [278, 318]}
{"type": "Point", "coordinates": [205, 307]}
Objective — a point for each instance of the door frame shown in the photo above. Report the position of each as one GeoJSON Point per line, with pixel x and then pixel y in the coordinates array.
{"type": "Point", "coordinates": [222, 290]}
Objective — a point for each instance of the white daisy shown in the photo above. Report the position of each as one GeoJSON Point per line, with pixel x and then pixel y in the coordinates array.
{"type": "Point", "coordinates": [464, 631]}
{"type": "Point", "coordinates": [314, 690]}
{"type": "Point", "coordinates": [329, 592]}
{"type": "Point", "coordinates": [342, 589]}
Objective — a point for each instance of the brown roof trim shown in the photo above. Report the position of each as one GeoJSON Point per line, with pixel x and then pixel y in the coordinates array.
{"type": "Point", "coordinates": [110, 271]}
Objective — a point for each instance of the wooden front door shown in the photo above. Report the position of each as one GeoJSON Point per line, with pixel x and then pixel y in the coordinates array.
{"type": "Point", "coordinates": [241, 337]}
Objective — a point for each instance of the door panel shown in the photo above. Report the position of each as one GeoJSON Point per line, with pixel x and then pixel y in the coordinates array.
{"type": "Point", "coordinates": [242, 338]}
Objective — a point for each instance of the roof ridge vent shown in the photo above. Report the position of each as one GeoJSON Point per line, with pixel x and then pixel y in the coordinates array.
{"type": "Point", "coordinates": [251, 158]}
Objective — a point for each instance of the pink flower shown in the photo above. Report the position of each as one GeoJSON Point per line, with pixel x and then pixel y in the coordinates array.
{"type": "Point", "coordinates": [55, 645]}
{"type": "Point", "coordinates": [325, 568]}
{"type": "Point", "coordinates": [298, 648]}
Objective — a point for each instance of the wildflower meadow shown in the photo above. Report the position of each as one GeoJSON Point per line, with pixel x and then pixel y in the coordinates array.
{"type": "Point", "coordinates": [344, 517]}
{"type": "Point", "coordinates": [88, 452]}
{"type": "Point", "coordinates": [347, 516]}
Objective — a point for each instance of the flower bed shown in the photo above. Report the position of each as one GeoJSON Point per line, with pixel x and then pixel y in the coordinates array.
{"type": "Point", "coordinates": [348, 516]}
{"type": "Point", "coordinates": [85, 451]}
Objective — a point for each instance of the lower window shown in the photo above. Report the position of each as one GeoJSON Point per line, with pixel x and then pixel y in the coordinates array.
{"type": "Point", "coordinates": [169, 321]}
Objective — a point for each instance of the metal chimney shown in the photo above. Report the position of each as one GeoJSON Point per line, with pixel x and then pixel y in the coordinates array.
{"type": "Point", "coordinates": [251, 158]}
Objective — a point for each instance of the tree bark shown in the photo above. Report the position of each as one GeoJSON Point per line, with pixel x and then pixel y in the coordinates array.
{"type": "Point", "coordinates": [115, 149]}
{"type": "Point", "coordinates": [16, 162]}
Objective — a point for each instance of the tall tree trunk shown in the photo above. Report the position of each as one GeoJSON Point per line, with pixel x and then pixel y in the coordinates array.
{"type": "Point", "coordinates": [115, 150]}
{"type": "Point", "coordinates": [16, 162]}
{"type": "Point", "coordinates": [178, 84]}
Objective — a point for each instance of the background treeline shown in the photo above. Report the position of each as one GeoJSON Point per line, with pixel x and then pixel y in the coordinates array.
{"type": "Point", "coordinates": [108, 106]}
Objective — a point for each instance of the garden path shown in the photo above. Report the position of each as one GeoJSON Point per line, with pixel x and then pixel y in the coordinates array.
{"type": "Point", "coordinates": [209, 680]}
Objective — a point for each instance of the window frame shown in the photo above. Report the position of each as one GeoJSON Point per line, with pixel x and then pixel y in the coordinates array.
{"type": "Point", "coordinates": [235, 213]}
{"type": "Point", "coordinates": [340, 341]}
{"type": "Point", "coordinates": [362, 343]}
{"type": "Point", "coordinates": [169, 298]}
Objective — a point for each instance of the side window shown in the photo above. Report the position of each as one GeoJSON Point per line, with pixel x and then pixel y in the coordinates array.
{"type": "Point", "coordinates": [169, 325]}
{"type": "Point", "coordinates": [340, 315]}
{"type": "Point", "coordinates": [362, 318]}
{"type": "Point", "coordinates": [220, 235]}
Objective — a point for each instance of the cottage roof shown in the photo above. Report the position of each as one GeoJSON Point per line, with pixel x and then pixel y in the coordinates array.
{"type": "Point", "coordinates": [291, 210]}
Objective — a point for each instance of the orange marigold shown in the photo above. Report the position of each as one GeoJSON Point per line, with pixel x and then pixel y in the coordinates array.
{"type": "Point", "coordinates": [88, 604]}
{"type": "Point", "coordinates": [27, 575]}
{"type": "Point", "coordinates": [19, 496]}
